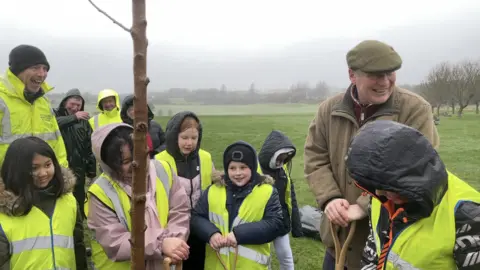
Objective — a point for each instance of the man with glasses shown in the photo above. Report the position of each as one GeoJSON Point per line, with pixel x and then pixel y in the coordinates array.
{"type": "Point", "coordinates": [372, 95]}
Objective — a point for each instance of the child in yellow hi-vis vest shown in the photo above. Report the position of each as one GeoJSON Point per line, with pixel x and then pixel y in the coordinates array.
{"type": "Point", "coordinates": [109, 204]}
{"type": "Point", "coordinates": [239, 214]}
{"type": "Point", "coordinates": [194, 167]}
{"type": "Point", "coordinates": [41, 225]}
{"type": "Point", "coordinates": [421, 215]}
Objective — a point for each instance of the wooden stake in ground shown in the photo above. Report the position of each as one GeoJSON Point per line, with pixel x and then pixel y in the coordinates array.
{"type": "Point", "coordinates": [140, 123]}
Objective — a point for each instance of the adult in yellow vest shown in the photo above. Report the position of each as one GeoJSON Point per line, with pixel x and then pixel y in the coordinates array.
{"type": "Point", "coordinates": [275, 159]}
{"type": "Point", "coordinates": [421, 215]}
{"type": "Point", "coordinates": [108, 104]}
{"type": "Point", "coordinates": [109, 203]}
{"type": "Point", "coordinates": [24, 109]}
{"type": "Point", "coordinates": [194, 167]}
{"type": "Point", "coordinates": [41, 223]}
{"type": "Point", "coordinates": [239, 215]}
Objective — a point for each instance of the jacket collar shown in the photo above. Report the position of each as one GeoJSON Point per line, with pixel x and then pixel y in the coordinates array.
{"type": "Point", "coordinates": [347, 104]}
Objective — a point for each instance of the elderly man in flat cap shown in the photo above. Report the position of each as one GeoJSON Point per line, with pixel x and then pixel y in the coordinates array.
{"type": "Point", "coordinates": [372, 95]}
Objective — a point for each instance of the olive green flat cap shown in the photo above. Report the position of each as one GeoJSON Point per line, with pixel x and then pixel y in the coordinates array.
{"type": "Point", "coordinates": [373, 56]}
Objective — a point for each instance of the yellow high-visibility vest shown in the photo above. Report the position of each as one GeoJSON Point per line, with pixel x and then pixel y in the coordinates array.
{"type": "Point", "coordinates": [106, 117]}
{"type": "Point", "coordinates": [251, 257]}
{"type": "Point", "coordinates": [288, 191]}
{"type": "Point", "coordinates": [38, 242]}
{"type": "Point", "coordinates": [113, 196]}
{"type": "Point", "coordinates": [206, 165]}
{"type": "Point", "coordinates": [408, 249]}
{"type": "Point", "coordinates": [21, 119]}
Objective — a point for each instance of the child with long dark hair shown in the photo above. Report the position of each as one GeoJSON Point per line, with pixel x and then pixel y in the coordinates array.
{"type": "Point", "coordinates": [41, 225]}
{"type": "Point", "coordinates": [108, 207]}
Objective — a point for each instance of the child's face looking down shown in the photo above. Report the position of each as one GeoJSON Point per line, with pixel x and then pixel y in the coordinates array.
{"type": "Point", "coordinates": [281, 159]}
{"type": "Point", "coordinates": [239, 173]}
{"type": "Point", "coordinates": [126, 163]}
{"type": "Point", "coordinates": [187, 140]}
{"type": "Point", "coordinates": [392, 196]}
{"type": "Point", "coordinates": [42, 170]}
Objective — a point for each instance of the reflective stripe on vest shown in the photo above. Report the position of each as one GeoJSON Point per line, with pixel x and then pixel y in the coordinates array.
{"type": "Point", "coordinates": [252, 210]}
{"type": "Point", "coordinates": [246, 253]}
{"type": "Point", "coordinates": [113, 196]}
{"type": "Point", "coordinates": [105, 118]}
{"type": "Point", "coordinates": [39, 242]}
{"type": "Point", "coordinates": [404, 251]}
{"type": "Point", "coordinates": [206, 165]}
{"type": "Point", "coordinates": [7, 135]}
{"type": "Point", "coordinates": [95, 122]}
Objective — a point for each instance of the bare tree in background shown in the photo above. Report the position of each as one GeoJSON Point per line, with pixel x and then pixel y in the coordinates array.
{"type": "Point", "coordinates": [427, 90]}
{"type": "Point", "coordinates": [320, 92]}
{"type": "Point", "coordinates": [453, 84]}
{"type": "Point", "coordinates": [476, 98]}
{"type": "Point", "coordinates": [139, 164]}
{"type": "Point", "coordinates": [299, 92]}
{"type": "Point", "coordinates": [223, 88]}
{"type": "Point", "coordinates": [252, 90]}
{"type": "Point", "coordinates": [465, 78]}
{"type": "Point", "coordinates": [436, 88]}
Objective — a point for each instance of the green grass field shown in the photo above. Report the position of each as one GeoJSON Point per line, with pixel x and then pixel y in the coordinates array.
{"type": "Point", "coordinates": [253, 109]}
{"type": "Point", "coordinates": [460, 149]}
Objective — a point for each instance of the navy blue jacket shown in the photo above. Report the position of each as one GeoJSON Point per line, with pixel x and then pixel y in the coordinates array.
{"type": "Point", "coordinates": [255, 233]}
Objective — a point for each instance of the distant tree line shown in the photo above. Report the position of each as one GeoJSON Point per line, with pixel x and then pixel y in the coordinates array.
{"type": "Point", "coordinates": [456, 85]}
{"type": "Point", "coordinates": [297, 93]}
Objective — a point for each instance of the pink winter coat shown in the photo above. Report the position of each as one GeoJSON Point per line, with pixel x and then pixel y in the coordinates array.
{"type": "Point", "coordinates": [114, 237]}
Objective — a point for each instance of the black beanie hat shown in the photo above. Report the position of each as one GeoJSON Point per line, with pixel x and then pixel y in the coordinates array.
{"type": "Point", "coordinates": [25, 56]}
{"type": "Point", "coordinates": [240, 152]}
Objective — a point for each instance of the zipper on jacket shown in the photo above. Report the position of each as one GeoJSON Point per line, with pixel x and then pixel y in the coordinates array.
{"type": "Point", "coordinates": [191, 182]}
{"type": "Point", "coordinates": [387, 247]}
{"type": "Point", "coordinates": [383, 256]}
{"type": "Point", "coordinates": [362, 115]}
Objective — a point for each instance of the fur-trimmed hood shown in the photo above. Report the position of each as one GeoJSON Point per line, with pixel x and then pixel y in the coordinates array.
{"type": "Point", "coordinates": [219, 179]}
{"type": "Point", "coordinates": [8, 199]}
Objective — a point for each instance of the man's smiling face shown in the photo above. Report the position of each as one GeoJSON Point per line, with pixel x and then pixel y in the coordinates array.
{"type": "Point", "coordinates": [33, 77]}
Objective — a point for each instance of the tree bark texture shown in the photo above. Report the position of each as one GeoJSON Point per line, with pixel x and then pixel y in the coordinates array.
{"type": "Point", "coordinates": [139, 186]}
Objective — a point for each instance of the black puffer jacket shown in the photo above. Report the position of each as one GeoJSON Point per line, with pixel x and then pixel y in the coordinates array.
{"type": "Point", "coordinates": [264, 231]}
{"type": "Point", "coordinates": [274, 142]}
{"type": "Point", "coordinates": [390, 156]}
{"type": "Point", "coordinates": [76, 136]}
{"type": "Point", "coordinates": [154, 128]}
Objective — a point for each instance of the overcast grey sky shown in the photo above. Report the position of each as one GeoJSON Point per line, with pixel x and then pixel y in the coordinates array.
{"type": "Point", "coordinates": [221, 24]}
{"type": "Point", "coordinates": [207, 43]}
